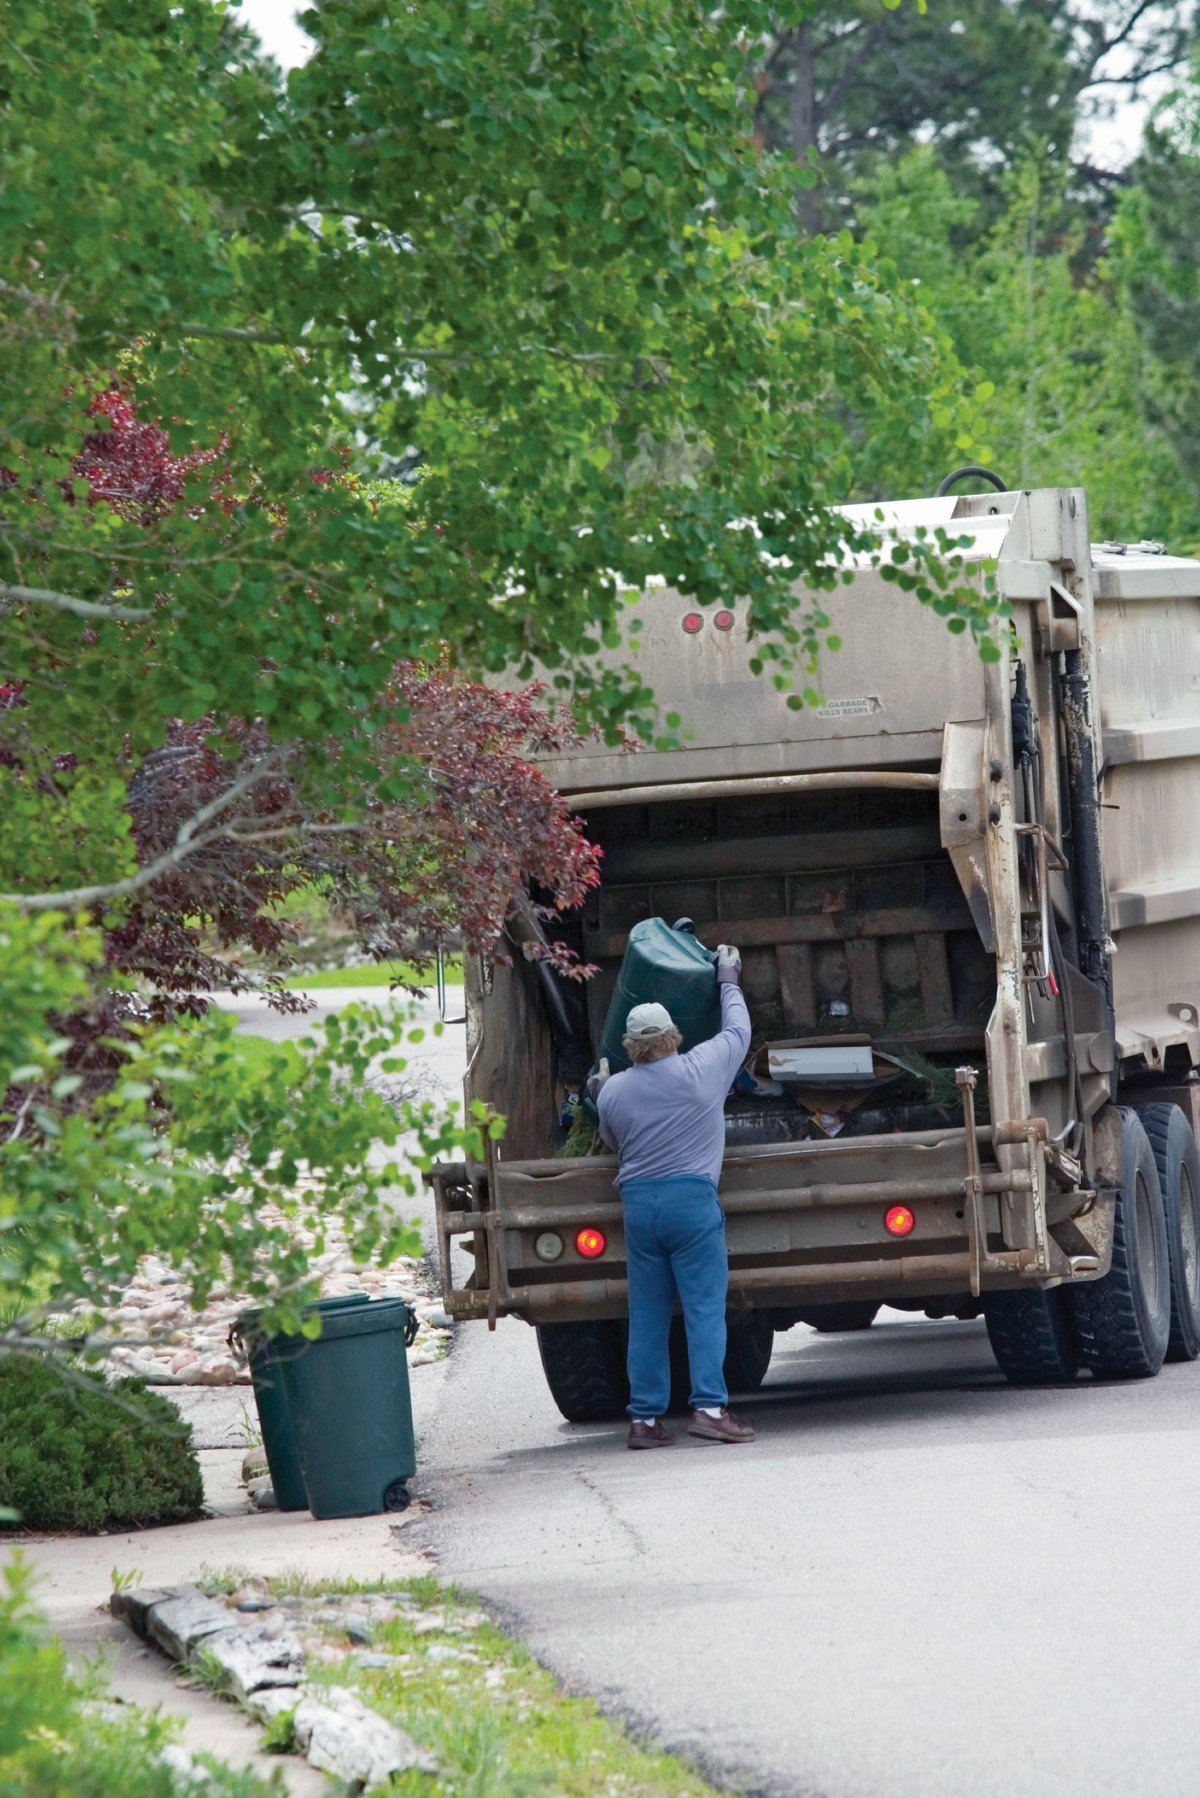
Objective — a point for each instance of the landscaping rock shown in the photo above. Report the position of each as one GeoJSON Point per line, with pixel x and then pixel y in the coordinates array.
{"type": "Point", "coordinates": [356, 1626]}
{"type": "Point", "coordinates": [220, 1371]}
{"type": "Point", "coordinates": [189, 1346]}
{"type": "Point", "coordinates": [339, 1735]}
{"type": "Point", "coordinates": [254, 1464]}
{"type": "Point", "coordinates": [257, 1656]}
{"type": "Point", "coordinates": [134, 1607]}
{"type": "Point", "coordinates": [270, 1702]}
{"type": "Point", "coordinates": [182, 1621]}
{"type": "Point", "coordinates": [262, 1493]}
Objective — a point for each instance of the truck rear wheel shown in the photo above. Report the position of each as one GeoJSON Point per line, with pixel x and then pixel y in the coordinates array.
{"type": "Point", "coordinates": [1031, 1337]}
{"type": "Point", "coordinates": [748, 1346]}
{"type": "Point", "coordinates": [1123, 1322]}
{"type": "Point", "coordinates": [584, 1365]}
{"type": "Point", "coordinates": [1177, 1159]}
{"type": "Point", "coordinates": [834, 1319]}
{"type": "Point", "coordinates": [748, 1352]}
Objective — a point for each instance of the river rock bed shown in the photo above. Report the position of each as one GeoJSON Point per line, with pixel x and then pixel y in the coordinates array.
{"type": "Point", "coordinates": [160, 1338]}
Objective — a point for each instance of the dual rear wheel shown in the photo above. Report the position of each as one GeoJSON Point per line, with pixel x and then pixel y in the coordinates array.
{"type": "Point", "coordinates": [584, 1364]}
{"type": "Point", "coordinates": [1147, 1307]}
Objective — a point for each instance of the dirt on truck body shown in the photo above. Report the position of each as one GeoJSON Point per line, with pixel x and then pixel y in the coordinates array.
{"type": "Point", "coordinates": [987, 872]}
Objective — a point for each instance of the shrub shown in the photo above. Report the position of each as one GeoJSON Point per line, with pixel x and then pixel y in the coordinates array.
{"type": "Point", "coordinates": [78, 1454]}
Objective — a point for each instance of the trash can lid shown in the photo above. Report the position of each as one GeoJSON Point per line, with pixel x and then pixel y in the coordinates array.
{"type": "Point", "coordinates": [365, 1320]}
{"type": "Point", "coordinates": [246, 1323]}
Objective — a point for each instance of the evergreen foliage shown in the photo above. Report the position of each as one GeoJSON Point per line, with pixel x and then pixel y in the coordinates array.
{"type": "Point", "coordinates": [78, 1454]}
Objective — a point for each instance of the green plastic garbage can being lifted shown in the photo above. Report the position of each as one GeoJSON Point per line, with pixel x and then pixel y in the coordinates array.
{"type": "Point", "coordinates": [265, 1356]}
{"type": "Point", "coordinates": [351, 1411]}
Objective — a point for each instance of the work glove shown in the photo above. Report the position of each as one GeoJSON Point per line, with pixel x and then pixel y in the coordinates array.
{"type": "Point", "coordinates": [729, 964]}
{"type": "Point", "coordinates": [596, 1080]}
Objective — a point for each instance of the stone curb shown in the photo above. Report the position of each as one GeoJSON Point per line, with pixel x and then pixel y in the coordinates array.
{"type": "Point", "coordinates": [265, 1663]}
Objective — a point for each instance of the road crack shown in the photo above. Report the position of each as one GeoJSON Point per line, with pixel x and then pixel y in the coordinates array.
{"type": "Point", "coordinates": [611, 1511]}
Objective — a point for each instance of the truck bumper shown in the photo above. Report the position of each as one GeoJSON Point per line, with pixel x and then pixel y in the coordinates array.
{"type": "Point", "coordinates": [804, 1222]}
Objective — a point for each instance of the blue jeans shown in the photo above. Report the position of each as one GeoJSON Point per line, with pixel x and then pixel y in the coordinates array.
{"type": "Point", "coordinates": [675, 1242]}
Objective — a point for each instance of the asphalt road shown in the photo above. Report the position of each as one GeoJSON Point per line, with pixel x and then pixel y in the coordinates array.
{"type": "Point", "coordinates": [919, 1582]}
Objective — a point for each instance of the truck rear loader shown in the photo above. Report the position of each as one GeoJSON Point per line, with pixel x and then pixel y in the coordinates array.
{"type": "Point", "coordinates": [986, 875]}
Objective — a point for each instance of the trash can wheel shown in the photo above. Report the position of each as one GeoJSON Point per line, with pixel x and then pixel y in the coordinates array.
{"type": "Point", "coordinates": [397, 1497]}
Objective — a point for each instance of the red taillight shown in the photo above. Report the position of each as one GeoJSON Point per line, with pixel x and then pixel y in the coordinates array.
{"type": "Point", "coordinates": [724, 621]}
{"type": "Point", "coordinates": [590, 1243]}
{"type": "Point", "coordinates": [898, 1220]}
{"type": "Point", "coordinates": [692, 622]}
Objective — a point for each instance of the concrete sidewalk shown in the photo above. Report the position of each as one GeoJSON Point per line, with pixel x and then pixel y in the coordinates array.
{"type": "Point", "coordinates": [74, 1574]}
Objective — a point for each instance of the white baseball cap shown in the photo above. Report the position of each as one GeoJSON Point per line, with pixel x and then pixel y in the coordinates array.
{"type": "Point", "coordinates": [648, 1020]}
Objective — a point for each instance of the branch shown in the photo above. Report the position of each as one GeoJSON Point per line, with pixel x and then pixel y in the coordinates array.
{"type": "Point", "coordinates": [1137, 13]}
{"type": "Point", "coordinates": [1101, 45]}
{"type": "Point", "coordinates": [187, 842]}
{"type": "Point", "coordinates": [22, 1114]}
{"type": "Point", "coordinates": [841, 87]}
{"type": "Point", "coordinates": [8, 290]}
{"type": "Point", "coordinates": [252, 335]}
{"type": "Point", "coordinates": [67, 602]}
{"type": "Point", "coordinates": [1137, 76]}
{"type": "Point", "coordinates": [1087, 171]}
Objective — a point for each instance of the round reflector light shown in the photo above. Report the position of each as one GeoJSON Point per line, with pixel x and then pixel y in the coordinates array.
{"type": "Point", "coordinates": [724, 621]}
{"type": "Point", "coordinates": [549, 1246]}
{"type": "Point", "coordinates": [692, 622]}
{"type": "Point", "coordinates": [590, 1243]}
{"type": "Point", "coordinates": [898, 1220]}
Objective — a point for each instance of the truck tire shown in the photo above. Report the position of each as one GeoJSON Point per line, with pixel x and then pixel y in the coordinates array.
{"type": "Point", "coordinates": [748, 1347]}
{"type": "Point", "coordinates": [1031, 1337]}
{"type": "Point", "coordinates": [835, 1319]}
{"type": "Point", "coordinates": [584, 1365]}
{"type": "Point", "coordinates": [1177, 1159]}
{"type": "Point", "coordinates": [748, 1352]}
{"type": "Point", "coordinates": [1123, 1322]}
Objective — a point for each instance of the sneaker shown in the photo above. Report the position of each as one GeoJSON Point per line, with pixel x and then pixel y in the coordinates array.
{"type": "Point", "coordinates": [649, 1435]}
{"type": "Point", "coordinates": [724, 1428]}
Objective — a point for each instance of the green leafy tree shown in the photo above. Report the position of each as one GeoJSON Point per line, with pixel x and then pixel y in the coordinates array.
{"type": "Point", "coordinates": [1057, 346]}
{"type": "Point", "coordinates": [536, 253]}
{"type": "Point", "coordinates": [859, 84]}
{"type": "Point", "coordinates": [1157, 257]}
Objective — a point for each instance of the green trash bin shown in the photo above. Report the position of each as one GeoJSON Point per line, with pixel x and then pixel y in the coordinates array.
{"type": "Point", "coordinates": [670, 966]}
{"type": "Point", "coordinates": [351, 1410]}
{"type": "Point", "coordinates": [265, 1356]}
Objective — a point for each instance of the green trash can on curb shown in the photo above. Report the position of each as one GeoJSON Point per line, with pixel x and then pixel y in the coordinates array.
{"type": "Point", "coordinates": [266, 1355]}
{"type": "Point", "coordinates": [351, 1410]}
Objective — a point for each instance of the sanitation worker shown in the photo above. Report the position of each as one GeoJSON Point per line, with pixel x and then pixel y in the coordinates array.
{"type": "Point", "coordinates": [665, 1118]}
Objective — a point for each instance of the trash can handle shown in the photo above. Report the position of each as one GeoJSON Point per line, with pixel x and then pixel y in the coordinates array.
{"type": "Point", "coordinates": [411, 1328]}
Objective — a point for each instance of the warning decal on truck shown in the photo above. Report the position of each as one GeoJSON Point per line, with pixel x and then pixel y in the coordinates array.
{"type": "Point", "coordinates": [849, 708]}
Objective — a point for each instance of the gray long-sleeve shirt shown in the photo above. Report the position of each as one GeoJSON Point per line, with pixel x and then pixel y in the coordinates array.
{"type": "Point", "coordinates": [667, 1117]}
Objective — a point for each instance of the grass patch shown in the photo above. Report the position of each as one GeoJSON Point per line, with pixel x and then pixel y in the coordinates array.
{"type": "Point", "coordinates": [496, 1720]}
{"type": "Point", "coordinates": [375, 973]}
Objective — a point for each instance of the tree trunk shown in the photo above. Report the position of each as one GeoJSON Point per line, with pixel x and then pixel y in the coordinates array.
{"type": "Point", "coordinates": [802, 116]}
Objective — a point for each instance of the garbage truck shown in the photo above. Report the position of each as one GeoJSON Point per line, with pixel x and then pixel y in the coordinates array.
{"type": "Point", "coordinates": [967, 898]}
